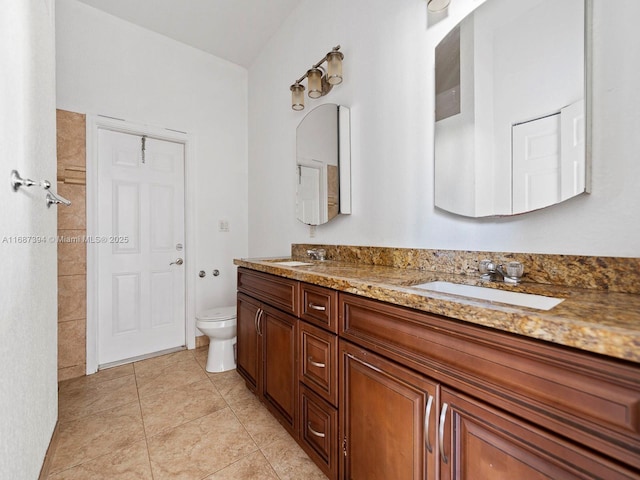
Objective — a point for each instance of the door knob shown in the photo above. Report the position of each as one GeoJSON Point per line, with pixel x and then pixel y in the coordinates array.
{"type": "Point", "coordinates": [177, 262]}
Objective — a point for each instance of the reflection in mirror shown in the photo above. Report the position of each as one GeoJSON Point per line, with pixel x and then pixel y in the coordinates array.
{"type": "Point", "coordinates": [323, 159]}
{"type": "Point", "coordinates": [510, 130]}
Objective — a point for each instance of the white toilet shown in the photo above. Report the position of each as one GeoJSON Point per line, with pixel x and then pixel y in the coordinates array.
{"type": "Point", "coordinates": [219, 324]}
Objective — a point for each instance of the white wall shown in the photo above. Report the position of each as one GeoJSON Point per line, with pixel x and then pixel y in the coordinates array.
{"type": "Point", "coordinates": [111, 67]}
{"type": "Point", "coordinates": [388, 83]}
{"type": "Point", "coordinates": [28, 284]}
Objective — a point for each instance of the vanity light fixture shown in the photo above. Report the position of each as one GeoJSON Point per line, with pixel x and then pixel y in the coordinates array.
{"type": "Point", "coordinates": [437, 5]}
{"type": "Point", "coordinates": [320, 80]}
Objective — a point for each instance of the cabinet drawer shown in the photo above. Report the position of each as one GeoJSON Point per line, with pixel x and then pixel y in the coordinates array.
{"type": "Point", "coordinates": [319, 361]}
{"type": "Point", "coordinates": [319, 306]}
{"type": "Point", "coordinates": [279, 292]}
{"type": "Point", "coordinates": [319, 431]}
{"type": "Point", "coordinates": [591, 399]}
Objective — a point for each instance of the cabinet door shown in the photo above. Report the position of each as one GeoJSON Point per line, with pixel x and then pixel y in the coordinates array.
{"type": "Point", "coordinates": [279, 380]}
{"type": "Point", "coordinates": [387, 419]}
{"type": "Point", "coordinates": [248, 355]}
{"type": "Point", "coordinates": [482, 443]}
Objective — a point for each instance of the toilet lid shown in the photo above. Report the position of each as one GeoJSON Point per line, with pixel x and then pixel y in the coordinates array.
{"type": "Point", "coordinates": [217, 314]}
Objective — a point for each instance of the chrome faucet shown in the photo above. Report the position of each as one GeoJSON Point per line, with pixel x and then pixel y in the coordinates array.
{"type": "Point", "coordinates": [317, 254]}
{"type": "Point", "coordinates": [511, 273]}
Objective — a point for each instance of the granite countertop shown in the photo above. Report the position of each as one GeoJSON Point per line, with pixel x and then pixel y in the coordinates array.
{"type": "Point", "coordinates": [598, 321]}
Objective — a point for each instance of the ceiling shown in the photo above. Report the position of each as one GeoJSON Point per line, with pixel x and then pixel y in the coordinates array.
{"type": "Point", "coordinates": [234, 30]}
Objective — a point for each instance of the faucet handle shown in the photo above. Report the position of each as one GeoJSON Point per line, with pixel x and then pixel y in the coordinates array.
{"type": "Point", "coordinates": [515, 270]}
{"type": "Point", "coordinates": [486, 266]}
{"type": "Point", "coordinates": [317, 253]}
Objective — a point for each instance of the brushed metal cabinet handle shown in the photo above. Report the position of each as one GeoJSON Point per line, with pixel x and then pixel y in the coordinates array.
{"type": "Point", "coordinates": [443, 417]}
{"type": "Point", "coordinates": [427, 417]}
{"type": "Point", "coordinates": [315, 364]}
{"type": "Point", "coordinates": [313, 432]}
{"type": "Point", "coordinates": [260, 322]}
{"type": "Point", "coordinates": [320, 308]}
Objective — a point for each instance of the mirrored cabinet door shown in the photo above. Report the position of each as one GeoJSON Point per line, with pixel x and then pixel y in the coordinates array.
{"type": "Point", "coordinates": [510, 113]}
{"type": "Point", "coordinates": [323, 161]}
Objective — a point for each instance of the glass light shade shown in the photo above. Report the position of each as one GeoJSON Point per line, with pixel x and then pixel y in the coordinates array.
{"type": "Point", "coordinates": [437, 5]}
{"type": "Point", "coordinates": [297, 96]}
{"type": "Point", "coordinates": [314, 77]}
{"type": "Point", "coordinates": [334, 67]}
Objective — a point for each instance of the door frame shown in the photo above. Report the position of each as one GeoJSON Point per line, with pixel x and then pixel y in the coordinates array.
{"type": "Point", "coordinates": [94, 123]}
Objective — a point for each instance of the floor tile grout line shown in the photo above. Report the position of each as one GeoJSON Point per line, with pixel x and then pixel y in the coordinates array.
{"type": "Point", "coordinates": [63, 421]}
{"type": "Point", "coordinates": [87, 460]}
{"type": "Point", "coordinates": [144, 428]}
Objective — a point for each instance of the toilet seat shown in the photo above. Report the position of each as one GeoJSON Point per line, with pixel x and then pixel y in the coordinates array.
{"type": "Point", "coordinates": [218, 314]}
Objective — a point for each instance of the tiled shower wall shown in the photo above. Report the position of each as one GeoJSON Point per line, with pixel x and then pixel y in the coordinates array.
{"type": "Point", "coordinates": [72, 257]}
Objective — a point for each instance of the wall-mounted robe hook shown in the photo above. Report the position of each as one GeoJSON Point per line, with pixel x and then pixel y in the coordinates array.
{"type": "Point", "coordinates": [53, 199]}
{"type": "Point", "coordinates": [17, 181]}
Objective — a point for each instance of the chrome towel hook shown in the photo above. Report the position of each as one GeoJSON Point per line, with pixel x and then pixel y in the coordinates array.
{"type": "Point", "coordinates": [17, 181]}
{"type": "Point", "coordinates": [52, 198]}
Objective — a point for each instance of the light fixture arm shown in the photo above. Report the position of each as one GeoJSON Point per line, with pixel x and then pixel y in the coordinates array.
{"type": "Point", "coordinates": [317, 65]}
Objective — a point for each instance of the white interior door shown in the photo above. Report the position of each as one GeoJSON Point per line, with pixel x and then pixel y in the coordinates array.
{"type": "Point", "coordinates": [309, 194]}
{"type": "Point", "coordinates": [141, 294]}
{"type": "Point", "coordinates": [573, 150]}
{"type": "Point", "coordinates": [536, 164]}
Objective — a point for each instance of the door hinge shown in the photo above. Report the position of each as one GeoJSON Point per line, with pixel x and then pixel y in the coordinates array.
{"type": "Point", "coordinates": [344, 445]}
{"type": "Point", "coordinates": [144, 147]}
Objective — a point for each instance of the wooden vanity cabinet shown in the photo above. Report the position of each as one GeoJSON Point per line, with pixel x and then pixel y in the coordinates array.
{"type": "Point", "coordinates": [267, 342]}
{"type": "Point", "coordinates": [507, 403]}
{"type": "Point", "coordinates": [398, 393]}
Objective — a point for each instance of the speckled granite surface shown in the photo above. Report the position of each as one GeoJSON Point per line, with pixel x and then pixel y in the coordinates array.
{"type": "Point", "coordinates": [603, 273]}
{"type": "Point", "coordinates": [603, 320]}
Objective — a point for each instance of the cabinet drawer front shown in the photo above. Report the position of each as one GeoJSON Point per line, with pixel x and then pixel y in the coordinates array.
{"type": "Point", "coordinates": [590, 399]}
{"type": "Point", "coordinates": [319, 361]}
{"type": "Point", "coordinates": [279, 292]}
{"type": "Point", "coordinates": [319, 431]}
{"type": "Point", "coordinates": [319, 306]}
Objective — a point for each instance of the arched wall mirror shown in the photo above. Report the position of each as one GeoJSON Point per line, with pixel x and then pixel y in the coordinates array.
{"type": "Point", "coordinates": [323, 161]}
{"type": "Point", "coordinates": [511, 132]}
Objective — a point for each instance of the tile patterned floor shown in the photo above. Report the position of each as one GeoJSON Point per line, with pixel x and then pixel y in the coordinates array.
{"type": "Point", "coordinates": [166, 418]}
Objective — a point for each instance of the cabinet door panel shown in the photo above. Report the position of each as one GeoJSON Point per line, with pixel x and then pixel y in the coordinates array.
{"type": "Point", "coordinates": [279, 387]}
{"type": "Point", "coordinates": [382, 418]}
{"type": "Point", "coordinates": [481, 443]}
{"type": "Point", "coordinates": [247, 347]}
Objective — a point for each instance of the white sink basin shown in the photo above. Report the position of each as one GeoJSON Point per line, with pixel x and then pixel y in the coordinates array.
{"type": "Point", "coordinates": [292, 263]}
{"type": "Point", "coordinates": [529, 300]}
